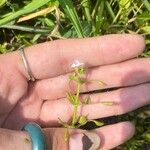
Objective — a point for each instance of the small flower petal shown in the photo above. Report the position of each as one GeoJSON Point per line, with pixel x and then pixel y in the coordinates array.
{"type": "Point", "coordinates": [77, 64]}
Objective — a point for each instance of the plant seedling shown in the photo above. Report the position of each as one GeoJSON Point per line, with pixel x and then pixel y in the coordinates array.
{"type": "Point", "coordinates": [79, 77]}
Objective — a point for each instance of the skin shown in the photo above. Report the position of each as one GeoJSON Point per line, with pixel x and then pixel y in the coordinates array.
{"type": "Point", "coordinates": [111, 58]}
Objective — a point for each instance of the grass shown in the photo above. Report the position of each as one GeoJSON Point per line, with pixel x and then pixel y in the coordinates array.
{"type": "Point", "coordinates": [24, 23]}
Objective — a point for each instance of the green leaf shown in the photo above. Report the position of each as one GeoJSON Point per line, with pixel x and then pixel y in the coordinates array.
{"type": "Point", "coordinates": [82, 120]}
{"type": "Point", "coordinates": [71, 13]}
{"type": "Point", "coordinates": [36, 37]}
{"type": "Point", "coordinates": [98, 123]}
{"type": "Point", "coordinates": [124, 4]}
{"type": "Point", "coordinates": [71, 98]}
{"type": "Point", "coordinates": [87, 28]}
{"type": "Point", "coordinates": [73, 77]}
{"type": "Point", "coordinates": [147, 136]}
{"type": "Point", "coordinates": [54, 3]}
{"type": "Point", "coordinates": [3, 48]}
{"type": "Point", "coordinates": [146, 29]}
{"type": "Point", "coordinates": [71, 33]}
{"type": "Point", "coordinates": [49, 22]}
{"type": "Point", "coordinates": [77, 79]}
{"type": "Point", "coordinates": [144, 17]}
{"type": "Point", "coordinates": [78, 76]}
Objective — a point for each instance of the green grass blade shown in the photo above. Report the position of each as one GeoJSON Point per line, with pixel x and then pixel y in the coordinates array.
{"type": "Point", "coordinates": [147, 4]}
{"type": "Point", "coordinates": [71, 13]}
{"type": "Point", "coordinates": [109, 9]}
{"type": "Point", "coordinates": [100, 12]}
{"type": "Point", "coordinates": [27, 9]}
{"type": "Point", "coordinates": [26, 28]}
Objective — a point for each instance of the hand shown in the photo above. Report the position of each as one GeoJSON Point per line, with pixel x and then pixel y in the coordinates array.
{"type": "Point", "coordinates": [110, 58]}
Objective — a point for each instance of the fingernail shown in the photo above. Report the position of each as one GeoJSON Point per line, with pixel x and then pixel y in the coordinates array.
{"type": "Point", "coordinates": [84, 141]}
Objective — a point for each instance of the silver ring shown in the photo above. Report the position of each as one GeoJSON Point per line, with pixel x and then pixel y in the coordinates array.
{"type": "Point", "coordinates": [26, 64]}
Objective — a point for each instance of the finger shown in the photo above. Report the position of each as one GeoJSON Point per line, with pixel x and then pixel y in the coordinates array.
{"type": "Point", "coordinates": [54, 58]}
{"type": "Point", "coordinates": [110, 138]}
{"type": "Point", "coordinates": [104, 138]}
{"type": "Point", "coordinates": [17, 140]}
{"type": "Point", "coordinates": [125, 100]}
{"type": "Point", "coordinates": [47, 113]}
{"type": "Point", "coordinates": [127, 73]}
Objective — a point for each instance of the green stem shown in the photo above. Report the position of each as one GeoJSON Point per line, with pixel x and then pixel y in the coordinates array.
{"type": "Point", "coordinates": [78, 91]}
{"type": "Point", "coordinates": [74, 120]}
{"type": "Point", "coordinates": [117, 16]}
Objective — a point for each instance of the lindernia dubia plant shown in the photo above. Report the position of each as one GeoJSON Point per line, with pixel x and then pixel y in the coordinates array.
{"type": "Point", "coordinates": [79, 77]}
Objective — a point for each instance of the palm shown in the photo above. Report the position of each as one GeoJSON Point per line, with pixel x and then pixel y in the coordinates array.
{"type": "Point", "coordinates": [21, 97]}
{"type": "Point", "coordinates": [22, 102]}
{"type": "Point", "coordinates": [27, 109]}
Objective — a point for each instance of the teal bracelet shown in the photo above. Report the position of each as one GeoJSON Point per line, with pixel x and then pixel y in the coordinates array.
{"type": "Point", "coordinates": [36, 135]}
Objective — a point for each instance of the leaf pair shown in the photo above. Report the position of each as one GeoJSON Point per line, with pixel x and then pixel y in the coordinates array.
{"type": "Point", "coordinates": [84, 120]}
{"type": "Point", "coordinates": [79, 75]}
{"type": "Point", "coordinates": [73, 99]}
{"type": "Point", "coordinates": [77, 79]}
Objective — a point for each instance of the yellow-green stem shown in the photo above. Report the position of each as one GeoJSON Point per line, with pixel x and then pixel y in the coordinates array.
{"type": "Point", "coordinates": [74, 119]}
{"type": "Point", "coordinates": [78, 92]}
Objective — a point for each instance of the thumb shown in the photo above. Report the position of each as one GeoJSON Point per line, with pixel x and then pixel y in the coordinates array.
{"type": "Point", "coordinates": [20, 140]}
{"type": "Point", "coordinates": [103, 138]}
{"type": "Point", "coordinates": [78, 139]}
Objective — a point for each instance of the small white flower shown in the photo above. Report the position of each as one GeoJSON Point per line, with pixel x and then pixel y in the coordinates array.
{"type": "Point", "coordinates": [77, 64]}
